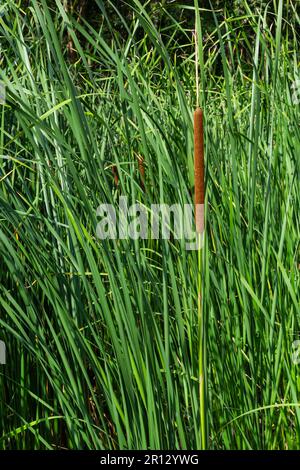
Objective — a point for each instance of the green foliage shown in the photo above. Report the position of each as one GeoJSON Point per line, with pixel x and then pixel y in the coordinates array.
{"type": "Point", "coordinates": [102, 337]}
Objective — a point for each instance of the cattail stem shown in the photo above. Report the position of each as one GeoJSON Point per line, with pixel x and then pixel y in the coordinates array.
{"type": "Point", "coordinates": [199, 216]}
{"type": "Point", "coordinates": [200, 220]}
{"type": "Point", "coordinates": [201, 351]}
{"type": "Point", "coordinates": [196, 66]}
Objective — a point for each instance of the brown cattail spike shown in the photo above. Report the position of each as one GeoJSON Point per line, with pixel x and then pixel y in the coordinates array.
{"type": "Point", "coordinates": [115, 173]}
{"type": "Point", "coordinates": [142, 171]}
{"type": "Point", "coordinates": [199, 169]}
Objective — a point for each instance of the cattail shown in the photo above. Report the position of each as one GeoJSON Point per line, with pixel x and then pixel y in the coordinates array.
{"type": "Point", "coordinates": [199, 215]}
{"type": "Point", "coordinates": [114, 170]}
{"type": "Point", "coordinates": [142, 171]}
{"type": "Point", "coordinates": [199, 169]}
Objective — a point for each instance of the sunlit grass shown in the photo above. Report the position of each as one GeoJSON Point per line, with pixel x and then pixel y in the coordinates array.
{"type": "Point", "coordinates": [102, 336]}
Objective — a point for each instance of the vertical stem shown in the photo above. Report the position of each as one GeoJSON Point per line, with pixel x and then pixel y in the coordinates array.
{"type": "Point", "coordinates": [202, 347]}
{"type": "Point", "coordinates": [196, 66]}
{"type": "Point", "coordinates": [199, 215]}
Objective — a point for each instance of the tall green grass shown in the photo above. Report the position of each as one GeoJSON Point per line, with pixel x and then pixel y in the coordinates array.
{"type": "Point", "coordinates": [102, 336]}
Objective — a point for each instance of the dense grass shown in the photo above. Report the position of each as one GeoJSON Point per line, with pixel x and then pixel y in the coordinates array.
{"type": "Point", "coordinates": [102, 336]}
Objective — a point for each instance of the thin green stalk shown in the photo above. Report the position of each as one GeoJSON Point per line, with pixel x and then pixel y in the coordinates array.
{"type": "Point", "coordinates": [202, 347]}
